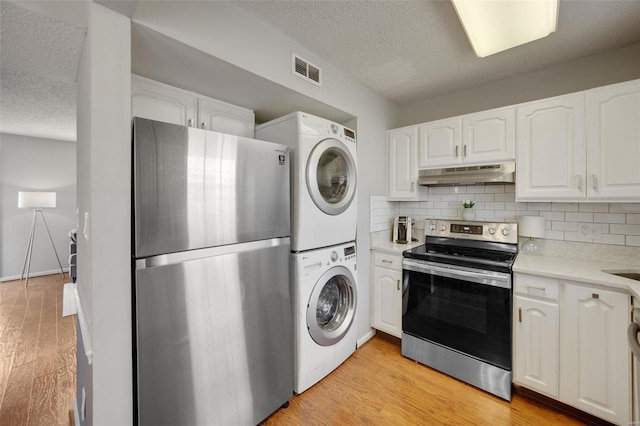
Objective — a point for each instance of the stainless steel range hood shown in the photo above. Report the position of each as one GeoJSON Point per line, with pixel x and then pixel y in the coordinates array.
{"type": "Point", "coordinates": [470, 175]}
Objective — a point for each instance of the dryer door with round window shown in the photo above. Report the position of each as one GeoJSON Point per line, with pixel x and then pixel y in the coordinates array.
{"type": "Point", "coordinates": [332, 306]}
{"type": "Point", "coordinates": [331, 176]}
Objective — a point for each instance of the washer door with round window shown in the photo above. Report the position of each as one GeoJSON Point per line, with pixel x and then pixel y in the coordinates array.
{"type": "Point", "coordinates": [331, 176]}
{"type": "Point", "coordinates": [332, 306]}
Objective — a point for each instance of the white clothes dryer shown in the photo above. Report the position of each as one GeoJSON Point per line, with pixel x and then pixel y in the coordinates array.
{"type": "Point", "coordinates": [323, 178]}
{"type": "Point", "coordinates": [325, 298]}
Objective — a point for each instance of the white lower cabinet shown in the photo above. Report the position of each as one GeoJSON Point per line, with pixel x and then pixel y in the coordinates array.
{"type": "Point", "coordinates": [596, 361]}
{"type": "Point", "coordinates": [387, 293]}
{"type": "Point", "coordinates": [536, 345]}
{"type": "Point", "coordinates": [570, 344]}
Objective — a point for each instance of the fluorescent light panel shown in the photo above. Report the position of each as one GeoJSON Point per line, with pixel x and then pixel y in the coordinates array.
{"type": "Point", "coordinates": [496, 25]}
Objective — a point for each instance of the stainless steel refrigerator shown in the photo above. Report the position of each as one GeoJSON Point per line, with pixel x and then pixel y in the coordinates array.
{"type": "Point", "coordinates": [211, 276]}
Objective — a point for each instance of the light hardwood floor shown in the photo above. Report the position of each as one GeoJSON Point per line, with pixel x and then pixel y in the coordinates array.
{"type": "Point", "coordinates": [376, 386]}
{"type": "Point", "coordinates": [37, 353]}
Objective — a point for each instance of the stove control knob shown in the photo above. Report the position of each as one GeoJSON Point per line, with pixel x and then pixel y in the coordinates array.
{"type": "Point", "coordinates": [492, 231]}
{"type": "Point", "coordinates": [334, 256]}
{"type": "Point", "coordinates": [505, 231]}
{"type": "Point", "coordinates": [432, 226]}
{"type": "Point", "coordinates": [443, 228]}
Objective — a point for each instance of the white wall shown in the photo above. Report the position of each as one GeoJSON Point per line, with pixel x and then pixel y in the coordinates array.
{"type": "Point", "coordinates": [610, 67]}
{"type": "Point", "coordinates": [230, 33]}
{"type": "Point", "coordinates": [35, 164]}
{"type": "Point", "coordinates": [104, 191]}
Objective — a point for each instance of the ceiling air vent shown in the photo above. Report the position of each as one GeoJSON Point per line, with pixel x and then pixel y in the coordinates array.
{"type": "Point", "coordinates": [306, 70]}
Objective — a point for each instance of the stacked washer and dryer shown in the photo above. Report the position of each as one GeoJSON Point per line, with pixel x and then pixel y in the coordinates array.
{"type": "Point", "coordinates": [323, 233]}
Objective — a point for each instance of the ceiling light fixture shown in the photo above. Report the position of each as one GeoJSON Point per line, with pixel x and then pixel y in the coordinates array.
{"type": "Point", "coordinates": [496, 25]}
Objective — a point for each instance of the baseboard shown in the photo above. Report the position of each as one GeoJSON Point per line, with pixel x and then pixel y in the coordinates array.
{"type": "Point", "coordinates": [34, 274]}
{"type": "Point", "coordinates": [364, 339]}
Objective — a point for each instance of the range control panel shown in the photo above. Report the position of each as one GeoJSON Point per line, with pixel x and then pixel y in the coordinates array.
{"type": "Point", "coordinates": [482, 231]}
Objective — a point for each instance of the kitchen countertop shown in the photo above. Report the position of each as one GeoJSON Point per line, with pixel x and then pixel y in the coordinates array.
{"type": "Point", "coordinates": [585, 271]}
{"type": "Point", "coordinates": [381, 241]}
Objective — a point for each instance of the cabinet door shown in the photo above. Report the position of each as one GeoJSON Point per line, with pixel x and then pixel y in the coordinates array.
{"type": "Point", "coordinates": [225, 118]}
{"type": "Point", "coordinates": [387, 301]}
{"type": "Point", "coordinates": [489, 136]}
{"type": "Point", "coordinates": [157, 101]}
{"type": "Point", "coordinates": [595, 357]}
{"type": "Point", "coordinates": [536, 329]}
{"type": "Point", "coordinates": [613, 126]}
{"type": "Point", "coordinates": [439, 143]}
{"type": "Point", "coordinates": [403, 166]}
{"type": "Point", "coordinates": [551, 151]}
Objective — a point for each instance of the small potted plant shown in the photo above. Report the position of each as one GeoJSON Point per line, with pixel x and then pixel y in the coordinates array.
{"type": "Point", "coordinates": [467, 211]}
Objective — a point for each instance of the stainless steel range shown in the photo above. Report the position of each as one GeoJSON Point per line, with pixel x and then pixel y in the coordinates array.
{"type": "Point", "coordinates": [457, 302]}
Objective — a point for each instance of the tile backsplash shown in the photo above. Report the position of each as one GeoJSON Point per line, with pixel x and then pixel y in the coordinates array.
{"type": "Point", "coordinates": [609, 223]}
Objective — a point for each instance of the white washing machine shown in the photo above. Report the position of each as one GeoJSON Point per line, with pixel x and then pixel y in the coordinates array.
{"type": "Point", "coordinates": [325, 298]}
{"type": "Point", "coordinates": [323, 178]}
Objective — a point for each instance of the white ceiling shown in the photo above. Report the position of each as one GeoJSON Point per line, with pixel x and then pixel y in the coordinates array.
{"type": "Point", "coordinates": [412, 50]}
{"type": "Point", "coordinates": [39, 59]}
{"type": "Point", "coordinates": [405, 50]}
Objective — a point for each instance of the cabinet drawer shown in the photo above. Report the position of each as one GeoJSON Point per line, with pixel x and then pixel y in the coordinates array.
{"type": "Point", "coordinates": [540, 287]}
{"type": "Point", "coordinates": [389, 261]}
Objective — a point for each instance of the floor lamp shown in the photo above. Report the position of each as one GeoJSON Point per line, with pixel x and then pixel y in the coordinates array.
{"type": "Point", "coordinates": [36, 201]}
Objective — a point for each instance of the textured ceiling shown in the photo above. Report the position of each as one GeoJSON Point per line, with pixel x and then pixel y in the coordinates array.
{"type": "Point", "coordinates": [412, 50]}
{"type": "Point", "coordinates": [39, 59]}
{"type": "Point", "coordinates": [405, 50]}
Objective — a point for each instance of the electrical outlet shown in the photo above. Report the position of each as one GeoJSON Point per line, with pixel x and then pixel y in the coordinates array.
{"type": "Point", "coordinates": [589, 231]}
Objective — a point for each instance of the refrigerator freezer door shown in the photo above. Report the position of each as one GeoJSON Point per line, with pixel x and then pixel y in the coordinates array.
{"type": "Point", "coordinates": [215, 338]}
{"type": "Point", "coordinates": [195, 188]}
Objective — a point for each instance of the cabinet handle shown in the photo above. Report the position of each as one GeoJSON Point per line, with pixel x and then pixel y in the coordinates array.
{"type": "Point", "coordinates": [579, 182]}
{"type": "Point", "coordinates": [190, 122]}
{"type": "Point", "coordinates": [464, 152]}
{"type": "Point", "coordinates": [386, 261]}
{"type": "Point", "coordinates": [595, 295]}
{"type": "Point", "coordinates": [519, 314]}
{"type": "Point", "coordinates": [536, 288]}
{"type": "Point", "coordinates": [203, 125]}
{"type": "Point", "coordinates": [594, 182]}
{"type": "Point", "coordinates": [398, 284]}
{"type": "Point", "coordinates": [456, 150]}
{"type": "Point", "coordinates": [413, 186]}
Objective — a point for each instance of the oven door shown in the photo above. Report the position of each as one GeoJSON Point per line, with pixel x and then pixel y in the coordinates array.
{"type": "Point", "coordinates": [464, 309]}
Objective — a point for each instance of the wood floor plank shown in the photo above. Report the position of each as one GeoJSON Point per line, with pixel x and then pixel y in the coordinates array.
{"type": "Point", "coordinates": [17, 396]}
{"type": "Point", "coordinates": [44, 400]}
{"type": "Point", "coordinates": [5, 370]}
{"type": "Point", "coordinates": [378, 386]}
{"type": "Point", "coordinates": [47, 350]}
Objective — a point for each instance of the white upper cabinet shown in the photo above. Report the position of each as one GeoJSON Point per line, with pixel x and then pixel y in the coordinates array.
{"type": "Point", "coordinates": [613, 140]}
{"type": "Point", "coordinates": [551, 149]}
{"type": "Point", "coordinates": [403, 163]}
{"type": "Point", "coordinates": [439, 143]}
{"type": "Point", "coordinates": [489, 136]}
{"type": "Point", "coordinates": [480, 138]}
{"type": "Point", "coordinates": [225, 118]}
{"type": "Point", "coordinates": [157, 101]}
{"type": "Point", "coordinates": [580, 147]}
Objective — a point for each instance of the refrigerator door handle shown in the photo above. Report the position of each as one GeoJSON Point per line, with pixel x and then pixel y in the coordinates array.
{"type": "Point", "coordinates": [185, 256]}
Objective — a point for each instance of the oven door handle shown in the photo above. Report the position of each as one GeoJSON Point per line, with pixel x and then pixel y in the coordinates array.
{"type": "Point", "coordinates": [495, 279]}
